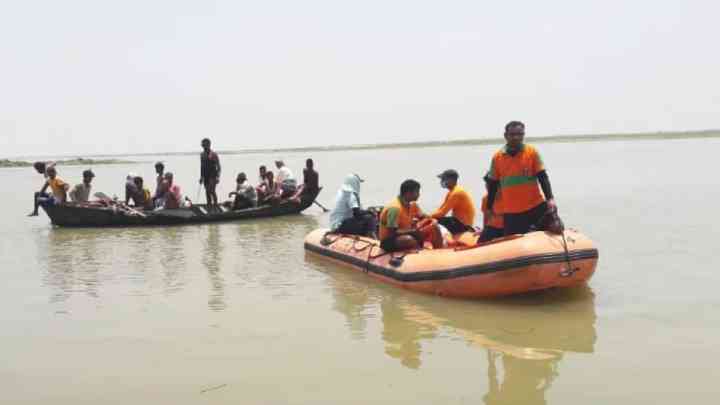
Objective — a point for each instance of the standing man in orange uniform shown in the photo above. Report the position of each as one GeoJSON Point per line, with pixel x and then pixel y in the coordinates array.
{"type": "Point", "coordinates": [518, 172]}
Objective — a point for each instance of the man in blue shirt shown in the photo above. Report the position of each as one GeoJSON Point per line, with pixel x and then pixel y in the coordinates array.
{"type": "Point", "coordinates": [348, 217]}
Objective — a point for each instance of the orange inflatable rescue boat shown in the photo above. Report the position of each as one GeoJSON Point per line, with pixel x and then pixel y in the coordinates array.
{"type": "Point", "coordinates": [510, 265]}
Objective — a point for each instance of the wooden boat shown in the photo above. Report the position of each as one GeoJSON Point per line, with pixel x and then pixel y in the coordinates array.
{"type": "Point", "coordinates": [71, 215]}
{"type": "Point", "coordinates": [511, 265]}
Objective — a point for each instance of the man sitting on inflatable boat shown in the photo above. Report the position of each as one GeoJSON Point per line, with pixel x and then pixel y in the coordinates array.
{"type": "Point", "coordinates": [457, 200]}
{"type": "Point", "coordinates": [403, 224]}
{"type": "Point", "coordinates": [348, 216]}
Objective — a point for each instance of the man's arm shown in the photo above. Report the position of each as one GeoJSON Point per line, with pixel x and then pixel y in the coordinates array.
{"type": "Point", "coordinates": [544, 181]}
{"type": "Point", "coordinates": [202, 169]}
{"type": "Point", "coordinates": [545, 185]}
{"type": "Point", "coordinates": [392, 224]}
{"type": "Point", "coordinates": [493, 186]}
{"type": "Point", "coordinates": [44, 187]}
{"type": "Point", "coordinates": [74, 193]}
{"type": "Point", "coordinates": [447, 205]}
{"type": "Point", "coordinates": [217, 160]}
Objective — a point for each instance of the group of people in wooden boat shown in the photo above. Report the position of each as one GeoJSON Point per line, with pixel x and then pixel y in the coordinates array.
{"type": "Point", "coordinates": [518, 199]}
{"type": "Point", "coordinates": [270, 189]}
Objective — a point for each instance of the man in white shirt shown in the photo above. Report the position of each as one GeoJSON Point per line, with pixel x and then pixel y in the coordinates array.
{"type": "Point", "coordinates": [81, 192]}
{"type": "Point", "coordinates": [245, 194]}
{"type": "Point", "coordinates": [285, 179]}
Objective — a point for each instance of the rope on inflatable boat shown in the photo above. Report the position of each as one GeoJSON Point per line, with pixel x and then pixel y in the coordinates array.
{"type": "Point", "coordinates": [569, 271]}
{"type": "Point", "coordinates": [394, 260]}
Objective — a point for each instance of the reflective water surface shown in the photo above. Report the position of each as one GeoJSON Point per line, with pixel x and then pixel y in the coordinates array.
{"type": "Point", "coordinates": [239, 313]}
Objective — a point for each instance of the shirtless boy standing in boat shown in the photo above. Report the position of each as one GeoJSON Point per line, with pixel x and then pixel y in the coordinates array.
{"type": "Point", "coordinates": [209, 172]}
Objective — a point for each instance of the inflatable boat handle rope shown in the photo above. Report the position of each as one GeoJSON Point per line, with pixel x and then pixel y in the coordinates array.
{"type": "Point", "coordinates": [569, 271]}
{"type": "Point", "coordinates": [395, 260]}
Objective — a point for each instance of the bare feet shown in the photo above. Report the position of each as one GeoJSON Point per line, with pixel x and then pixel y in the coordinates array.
{"type": "Point", "coordinates": [33, 214]}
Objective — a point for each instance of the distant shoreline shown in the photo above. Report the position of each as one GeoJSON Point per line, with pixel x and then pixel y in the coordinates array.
{"type": "Point", "coordinates": [6, 163]}
{"type": "Point", "coordinates": [491, 141]}
{"type": "Point", "coordinates": [645, 136]}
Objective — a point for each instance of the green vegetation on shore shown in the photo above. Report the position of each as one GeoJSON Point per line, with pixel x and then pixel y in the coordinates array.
{"type": "Point", "coordinates": [648, 136]}
{"type": "Point", "coordinates": [713, 133]}
{"type": "Point", "coordinates": [66, 162]}
{"type": "Point", "coordinates": [495, 141]}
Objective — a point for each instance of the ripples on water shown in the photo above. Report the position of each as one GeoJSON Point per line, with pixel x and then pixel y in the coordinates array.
{"type": "Point", "coordinates": [141, 314]}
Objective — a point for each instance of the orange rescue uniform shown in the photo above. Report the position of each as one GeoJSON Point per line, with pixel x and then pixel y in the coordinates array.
{"type": "Point", "coordinates": [459, 201]}
{"type": "Point", "coordinates": [399, 217]}
{"type": "Point", "coordinates": [493, 221]}
{"type": "Point", "coordinates": [517, 176]}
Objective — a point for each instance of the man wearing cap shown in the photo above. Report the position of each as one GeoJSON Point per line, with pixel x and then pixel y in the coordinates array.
{"type": "Point", "coordinates": [81, 192]}
{"type": "Point", "coordinates": [515, 171]}
{"type": "Point", "coordinates": [348, 217]}
{"type": "Point", "coordinates": [457, 200]}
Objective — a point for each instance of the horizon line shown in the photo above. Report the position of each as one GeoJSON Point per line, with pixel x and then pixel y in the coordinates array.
{"type": "Point", "coordinates": [658, 135]}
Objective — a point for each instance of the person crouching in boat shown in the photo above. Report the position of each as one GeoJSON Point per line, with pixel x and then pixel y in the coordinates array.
{"type": "Point", "coordinates": [348, 217]}
{"type": "Point", "coordinates": [142, 198]}
{"type": "Point", "coordinates": [40, 167]}
{"type": "Point", "coordinates": [492, 222]}
{"type": "Point", "coordinates": [58, 187]}
{"type": "Point", "coordinates": [81, 192]}
{"type": "Point", "coordinates": [245, 194]}
{"type": "Point", "coordinates": [403, 224]}
{"type": "Point", "coordinates": [515, 171]}
{"type": "Point", "coordinates": [457, 200]}
{"type": "Point", "coordinates": [171, 196]}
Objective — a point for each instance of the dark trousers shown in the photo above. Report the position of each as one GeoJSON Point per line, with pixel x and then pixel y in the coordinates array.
{"type": "Point", "coordinates": [453, 225]}
{"type": "Point", "coordinates": [521, 222]}
{"type": "Point", "coordinates": [241, 202]}
{"type": "Point", "coordinates": [364, 225]}
{"type": "Point", "coordinates": [489, 233]}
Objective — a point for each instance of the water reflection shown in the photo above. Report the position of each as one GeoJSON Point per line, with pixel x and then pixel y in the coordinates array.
{"type": "Point", "coordinates": [525, 337]}
{"type": "Point", "coordinates": [212, 254]}
{"type": "Point", "coordinates": [71, 262]}
{"type": "Point", "coordinates": [156, 260]}
{"type": "Point", "coordinates": [173, 261]}
{"type": "Point", "coordinates": [269, 252]}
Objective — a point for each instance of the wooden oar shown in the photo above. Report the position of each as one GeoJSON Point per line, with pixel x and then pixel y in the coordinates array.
{"type": "Point", "coordinates": [321, 206]}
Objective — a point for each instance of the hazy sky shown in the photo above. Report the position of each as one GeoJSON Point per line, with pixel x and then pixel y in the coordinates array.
{"type": "Point", "coordinates": [151, 76]}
